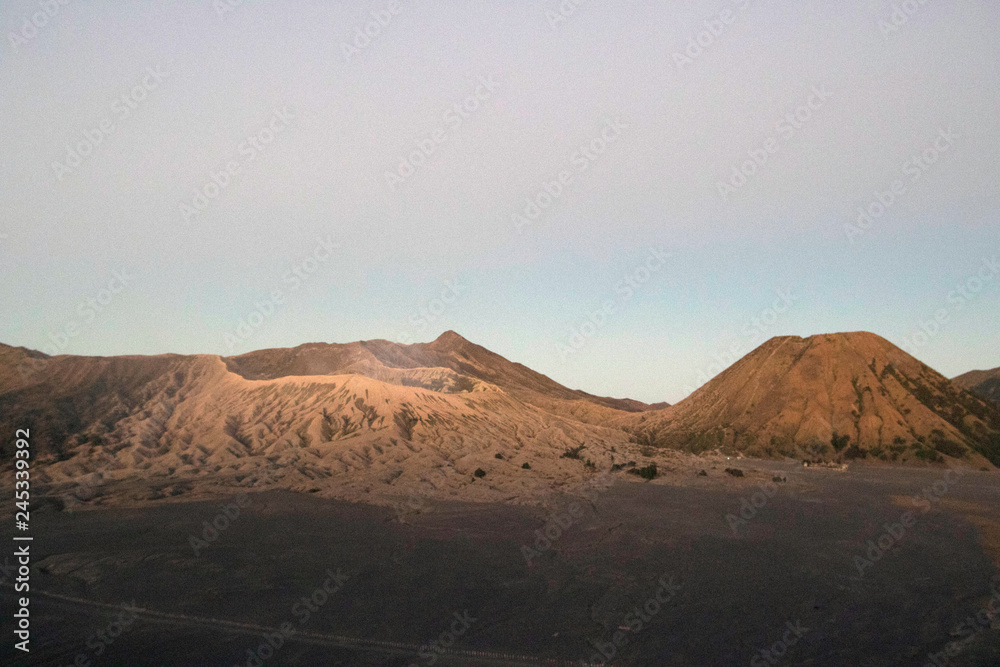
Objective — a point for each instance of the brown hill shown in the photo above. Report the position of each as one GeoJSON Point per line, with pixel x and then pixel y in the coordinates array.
{"type": "Point", "coordinates": [346, 419]}
{"type": "Point", "coordinates": [985, 384]}
{"type": "Point", "coordinates": [847, 395]}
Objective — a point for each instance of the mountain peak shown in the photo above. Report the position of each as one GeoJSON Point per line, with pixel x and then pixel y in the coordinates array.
{"type": "Point", "coordinates": [850, 336]}
{"type": "Point", "coordinates": [811, 397]}
{"type": "Point", "coordinates": [449, 338]}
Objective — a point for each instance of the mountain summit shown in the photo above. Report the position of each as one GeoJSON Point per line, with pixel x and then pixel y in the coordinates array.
{"type": "Point", "coordinates": [449, 340]}
{"type": "Point", "coordinates": [850, 395]}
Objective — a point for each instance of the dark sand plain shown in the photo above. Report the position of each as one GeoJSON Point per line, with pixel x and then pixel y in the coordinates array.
{"type": "Point", "coordinates": [412, 567]}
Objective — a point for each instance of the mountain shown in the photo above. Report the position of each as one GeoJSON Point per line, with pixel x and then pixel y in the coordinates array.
{"type": "Point", "coordinates": [376, 419]}
{"type": "Point", "coordinates": [835, 396]}
{"type": "Point", "coordinates": [985, 384]}
{"type": "Point", "coordinates": [408, 364]}
{"type": "Point", "coordinates": [362, 417]}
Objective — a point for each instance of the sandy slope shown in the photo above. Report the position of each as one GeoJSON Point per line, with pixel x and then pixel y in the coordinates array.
{"type": "Point", "coordinates": [791, 395]}
{"type": "Point", "coordinates": [347, 426]}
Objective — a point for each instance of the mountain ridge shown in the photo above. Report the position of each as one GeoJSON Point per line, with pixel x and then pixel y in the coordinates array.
{"type": "Point", "coordinates": [985, 384]}
{"type": "Point", "coordinates": [376, 417]}
{"type": "Point", "coordinates": [449, 350]}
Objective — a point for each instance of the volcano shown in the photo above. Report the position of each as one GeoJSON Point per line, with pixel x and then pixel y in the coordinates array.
{"type": "Point", "coordinates": [834, 396]}
{"type": "Point", "coordinates": [364, 417]}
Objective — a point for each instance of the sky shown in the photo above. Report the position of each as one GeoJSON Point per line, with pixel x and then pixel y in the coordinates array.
{"type": "Point", "coordinates": [624, 196]}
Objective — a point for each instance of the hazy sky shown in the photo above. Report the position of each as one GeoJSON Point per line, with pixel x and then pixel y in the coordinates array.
{"type": "Point", "coordinates": [210, 159]}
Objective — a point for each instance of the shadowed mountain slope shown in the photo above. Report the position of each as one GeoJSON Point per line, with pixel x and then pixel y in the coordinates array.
{"type": "Point", "coordinates": [846, 395]}
{"type": "Point", "coordinates": [985, 384]}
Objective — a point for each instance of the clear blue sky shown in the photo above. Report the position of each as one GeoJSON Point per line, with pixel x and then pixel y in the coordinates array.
{"type": "Point", "coordinates": [311, 128]}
